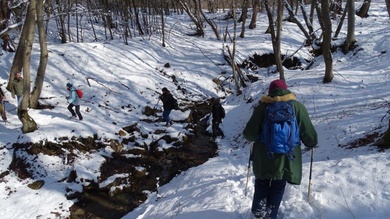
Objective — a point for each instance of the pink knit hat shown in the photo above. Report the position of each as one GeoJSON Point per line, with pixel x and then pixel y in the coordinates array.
{"type": "Point", "coordinates": [277, 84]}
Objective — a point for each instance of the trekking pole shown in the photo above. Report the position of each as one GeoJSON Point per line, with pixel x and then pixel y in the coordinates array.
{"type": "Point", "coordinates": [311, 167]}
{"type": "Point", "coordinates": [156, 103]}
{"type": "Point", "coordinates": [249, 166]}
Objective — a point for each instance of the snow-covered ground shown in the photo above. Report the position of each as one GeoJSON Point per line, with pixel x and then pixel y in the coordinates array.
{"type": "Point", "coordinates": [346, 183]}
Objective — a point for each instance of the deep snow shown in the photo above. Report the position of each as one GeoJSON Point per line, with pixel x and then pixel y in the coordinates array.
{"type": "Point", "coordinates": [346, 183]}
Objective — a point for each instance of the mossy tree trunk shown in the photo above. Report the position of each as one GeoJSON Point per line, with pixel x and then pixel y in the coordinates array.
{"type": "Point", "coordinates": [29, 124]}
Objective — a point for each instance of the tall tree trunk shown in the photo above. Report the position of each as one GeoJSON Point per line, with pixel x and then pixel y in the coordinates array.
{"type": "Point", "coordinates": [326, 44]}
{"type": "Point", "coordinates": [363, 10]}
{"type": "Point", "coordinates": [336, 33]}
{"type": "Point", "coordinates": [388, 7]}
{"type": "Point", "coordinates": [350, 40]}
{"type": "Point", "coordinates": [243, 17]}
{"type": "Point", "coordinates": [69, 17]}
{"type": "Point", "coordinates": [252, 24]}
{"type": "Point", "coordinates": [162, 24]}
{"type": "Point", "coordinates": [307, 21]}
{"type": "Point", "coordinates": [137, 22]}
{"type": "Point", "coordinates": [60, 19]}
{"type": "Point", "coordinates": [296, 21]}
{"type": "Point", "coordinates": [277, 51]}
{"type": "Point", "coordinates": [232, 53]}
{"type": "Point", "coordinates": [37, 90]}
{"type": "Point", "coordinates": [209, 22]}
{"type": "Point", "coordinates": [77, 21]}
{"type": "Point", "coordinates": [193, 17]}
{"type": "Point", "coordinates": [312, 9]}
{"type": "Point", "coordinates": [17, 63]}
{"type": "Point", "coordinates": [276, 35]}
{"type": "Point", "coordinates": [29, 125]}
{"type": "Point", "coordinates": [89, 7]}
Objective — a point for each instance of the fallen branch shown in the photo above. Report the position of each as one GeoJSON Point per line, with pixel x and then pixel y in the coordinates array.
{"type": "Point", "coordinates": [89, 78]}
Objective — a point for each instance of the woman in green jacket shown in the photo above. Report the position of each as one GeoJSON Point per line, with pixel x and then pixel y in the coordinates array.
{"type": "Point", "coordinates": [272, 173]}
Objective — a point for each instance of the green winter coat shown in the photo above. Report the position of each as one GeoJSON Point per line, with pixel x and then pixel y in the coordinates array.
{"type": "Point", "coordinates": [279, 167]}
{"type": "Point", "coordinates": [17, 87]}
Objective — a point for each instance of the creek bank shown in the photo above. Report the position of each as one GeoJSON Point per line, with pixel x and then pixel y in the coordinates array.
{"type": "Point", "coordinates": [132, 172]}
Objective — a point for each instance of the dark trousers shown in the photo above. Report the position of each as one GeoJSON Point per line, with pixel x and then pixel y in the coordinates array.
{"type": "Point", "coordinates": [165, 115]}
{"type": "Point", "coordinates": [267, 198]}
{"type": "Point", "coordinates": [70, 108]}
{"type": "Point", "coordinates": [216, 129]}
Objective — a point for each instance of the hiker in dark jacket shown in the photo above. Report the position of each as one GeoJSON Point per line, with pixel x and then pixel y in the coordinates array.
{"type": "Point", "coordinates": [17, 87]}
{"type": "Point", "coordinates": [168, 104]}
{"type": "Point", "coordinates": [272, 173]}
{"type": "Point", "coordinates": [2, 108]}
{"type": "Point", "coordinates": [74, 101]}
{"type": "Point", "coordinates": [218, 113]}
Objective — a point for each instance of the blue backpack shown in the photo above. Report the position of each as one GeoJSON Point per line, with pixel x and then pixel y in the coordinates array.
{"type": "Point", "coordinates": [280, 131]}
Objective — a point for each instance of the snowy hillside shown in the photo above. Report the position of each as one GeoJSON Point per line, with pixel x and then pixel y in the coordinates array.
{"type": "Point", "coordinates": [124, 79]}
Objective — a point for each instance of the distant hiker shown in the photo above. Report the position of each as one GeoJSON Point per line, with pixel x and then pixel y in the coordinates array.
{"type": "Point", "coordinates": [218, 113]}
{"type": "Point", "coordinates": [273, 170]}
{"type": "Point", "coordinates": [17, 87]}
{"type": "Point", "coordinates": [74, 101]}
{"type": "Point", "coordinates": [2, 108]}
{"type": "Point", "coordinates": [168, 104]}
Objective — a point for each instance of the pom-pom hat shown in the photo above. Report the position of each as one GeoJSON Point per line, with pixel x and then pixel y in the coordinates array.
{"type": "Point", "coordinates": [277, 84]}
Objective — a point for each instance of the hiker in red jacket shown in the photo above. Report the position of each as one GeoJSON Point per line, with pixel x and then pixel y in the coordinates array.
{"type": "Point", "coordinates": [74, 101]}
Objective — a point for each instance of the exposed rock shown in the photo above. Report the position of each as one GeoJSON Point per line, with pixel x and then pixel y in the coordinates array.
{"type": "Point", "coordinates": [72, 176]}
{"type": "Point", "coordinates": [122, 133]}
{"type": "Point", "coordinates": [36, 185]}
{"type": "Point", "coordinates": [116, 145]}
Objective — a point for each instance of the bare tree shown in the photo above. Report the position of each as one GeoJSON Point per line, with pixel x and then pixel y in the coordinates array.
{"type": "Point", "coordinates": [69, 8]}
{"type": "Point", "coordinates": [193, 16]}
{"type": "Point", "coordinates": [209, 22]}
{"type": "Point", "coordinates": [26, 42]}
{"type": "Point", "coordinates": [326, 25]}
{"type": "Point", "coordinates": [309, 24]}
{"type": "Point", "coordinates": [244, 15]}
{"type": "Point", "coordinates": [336, 33]}
{"type": "Point", "coordinates": [388, 6]}
{"type": "Point", "coordinates": [162, 24]}
{"type": "Point", "coordinates": [276, 35]}
{"type": "Point", "coordinates": [91, 20]}
{"type": "Point", "coordinates": [238, 76]}
{"type": "Point", "coordinates": [255, 7]}
{"type": "Point", "coordinates": [37, 90]}
{"type": "Point", "coordinates": [363, 10]}
{"type": "Point", "coordinates": [60, 17]}
{"type": "Point", "coordinates": [309, 38]}
{"type": "Point", "coordinates": [312, 9]}
{"type": "Point", "coordinates": [350, 40]}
